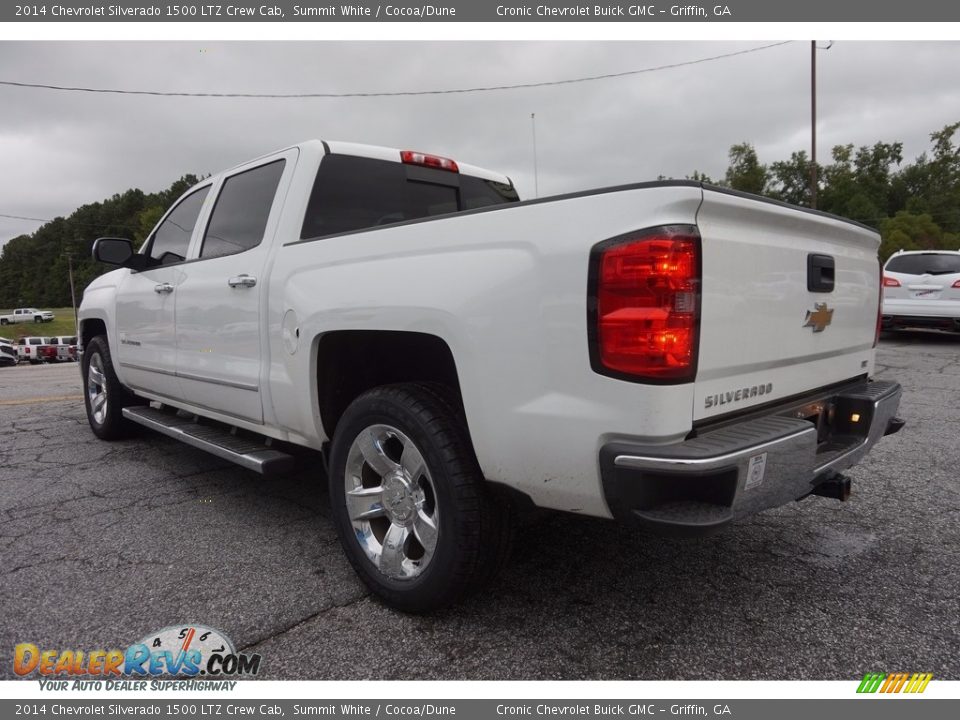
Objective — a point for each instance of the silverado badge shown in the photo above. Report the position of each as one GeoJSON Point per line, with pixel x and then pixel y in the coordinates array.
{"type": "Point", "coordinates": [819, 317]}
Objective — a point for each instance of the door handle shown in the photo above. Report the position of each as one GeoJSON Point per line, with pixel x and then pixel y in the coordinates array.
{"type": "Point", "coordinates": [242, 281]}
{"type": "Point", "coordinates": [821, 273]}
{"type": "Point", "coordinates": [163, 288]}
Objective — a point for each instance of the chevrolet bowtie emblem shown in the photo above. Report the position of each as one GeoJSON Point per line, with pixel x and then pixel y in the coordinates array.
{"type": "Point", "coordinates": [819, 317]}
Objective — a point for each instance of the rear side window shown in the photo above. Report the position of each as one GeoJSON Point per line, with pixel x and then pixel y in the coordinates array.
{"type": "Point", "coordinates": [354, 193]}
{"type": "Point", "coordinates": [172, 238]}
{"type": "Point", "coordinates": [240, 216]}
{"type": "Point", "coordinates": [925, 264]}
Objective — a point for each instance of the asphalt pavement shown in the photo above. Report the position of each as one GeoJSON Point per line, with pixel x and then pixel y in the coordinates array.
{"type": "Point", "coordinates": [102, 543]}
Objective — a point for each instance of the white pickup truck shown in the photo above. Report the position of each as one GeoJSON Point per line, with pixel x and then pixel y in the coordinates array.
{"type": "Point", "coordinates": [22, 315]}
{"type": "Point", "coordinates": [669, 354]}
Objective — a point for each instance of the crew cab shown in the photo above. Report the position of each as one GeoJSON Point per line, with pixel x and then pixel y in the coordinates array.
{"type": "Point", "coordinates": [22, 315]}
{"type": "Point", "coordinates": [669, 354]}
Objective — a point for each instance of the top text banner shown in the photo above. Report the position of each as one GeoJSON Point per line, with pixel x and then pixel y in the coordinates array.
{"type": "Point", "coordinates": [486, 11]}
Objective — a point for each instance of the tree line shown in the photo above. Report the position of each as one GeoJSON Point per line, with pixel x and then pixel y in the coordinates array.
{"type": "Point", "coordinates": [34, 269]}
{"type": "Point", "coordinates": [914, 206]}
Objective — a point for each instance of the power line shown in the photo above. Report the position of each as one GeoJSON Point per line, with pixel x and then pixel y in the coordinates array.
{"type": "Point", "coordinates": [66, 220]}
{"type": "Point", "coordinates": [398, 93]}
{"type": "Point", "coordinates": [21, 217]}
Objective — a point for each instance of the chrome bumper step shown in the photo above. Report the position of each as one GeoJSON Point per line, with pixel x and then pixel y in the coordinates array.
{"type": "Point", "coordinates": [250, 454]}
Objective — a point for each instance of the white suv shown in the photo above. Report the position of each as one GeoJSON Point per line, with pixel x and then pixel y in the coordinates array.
{"type": "Point", "coordinates": [922, 289]}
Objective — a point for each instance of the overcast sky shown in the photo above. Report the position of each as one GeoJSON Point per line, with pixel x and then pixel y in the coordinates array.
{"type": "Point", "coordinates": [60, 150]}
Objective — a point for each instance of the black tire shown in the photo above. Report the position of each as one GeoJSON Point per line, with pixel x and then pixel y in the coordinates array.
{"type": "Point", "coordinates": [37, 319]}
{"type": "Point", "coordinates": [473, 530]}
{"type": "Point", "coordinates": [112, 425]}
{"type": "Point", "coordinates": [3, 321]}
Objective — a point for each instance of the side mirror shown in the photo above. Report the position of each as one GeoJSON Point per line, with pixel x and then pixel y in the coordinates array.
{"type": "Point", "coordinates": [118, 251]}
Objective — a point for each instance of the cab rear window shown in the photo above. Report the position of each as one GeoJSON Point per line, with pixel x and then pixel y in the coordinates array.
{"type": "Point", "coordinates": [354, 193]}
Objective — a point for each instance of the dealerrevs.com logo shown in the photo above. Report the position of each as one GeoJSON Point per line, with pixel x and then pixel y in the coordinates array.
{"type": "Point", "coordinates": [894, 683]}
{"type": "Point", "coordinates": [178, 650]}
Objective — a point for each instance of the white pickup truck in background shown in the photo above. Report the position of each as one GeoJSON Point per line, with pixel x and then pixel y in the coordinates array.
{"type": "Point", "coordinates": [669, 354]}
{"type": "Point", "coordinates": [22, 315]}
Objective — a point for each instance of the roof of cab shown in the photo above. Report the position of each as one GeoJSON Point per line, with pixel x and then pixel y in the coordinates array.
{"type": "Point", "coordinates": [379, 152]}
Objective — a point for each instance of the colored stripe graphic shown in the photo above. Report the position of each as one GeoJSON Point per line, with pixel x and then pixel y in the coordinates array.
{"type": "Point", "coordinates": [894, 682]}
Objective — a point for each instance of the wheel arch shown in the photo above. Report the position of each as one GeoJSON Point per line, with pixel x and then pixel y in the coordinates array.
{"type": "Point", "coordinates": [89, 328]}
{"type": "Point", "coordinates": [350, 362]}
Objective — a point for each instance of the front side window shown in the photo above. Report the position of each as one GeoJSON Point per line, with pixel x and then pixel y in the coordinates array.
{"type": "Point", "coordinates": [240, 216]}
{"type": "Point", "coordinates": [171, 239]}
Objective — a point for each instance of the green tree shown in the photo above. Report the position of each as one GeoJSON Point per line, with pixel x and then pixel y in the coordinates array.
{"type": "Point", "coordinates": [745, 171]}
{"type": "Point", "coordinates": [790, 179]}
{"type": "Point", "coordinates": [932, 184]}
{"type": "Point", "coordinates": [858, 185]}
{"type": "Point", "coordinates": [698, 176]}
{"type": "Point", "coordinates": [908, 231]}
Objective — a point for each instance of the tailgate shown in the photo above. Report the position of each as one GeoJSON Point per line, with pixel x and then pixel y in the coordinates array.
{"type": "Point", "coordinates": [764, 336]}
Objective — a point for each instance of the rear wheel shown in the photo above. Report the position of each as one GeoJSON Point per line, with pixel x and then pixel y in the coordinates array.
{"type": "Point", "coordinates": [103, 395]}
{"type": "Point", "coordinates": [411, 506]}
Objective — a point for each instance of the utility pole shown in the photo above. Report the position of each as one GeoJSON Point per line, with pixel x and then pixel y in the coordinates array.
{"type": "Point", "coordinates": [73, 295]}
{"type": "Point", "coordinates": [813, 124]}
{"type": "Point", "coordinates": [536, 181]}
{"type": "Point", "coordinates": [813, 119]}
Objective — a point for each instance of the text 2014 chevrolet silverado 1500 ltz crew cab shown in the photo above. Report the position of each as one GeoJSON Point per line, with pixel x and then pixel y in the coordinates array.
{"type": "Point", "coordinates": [669, 353]}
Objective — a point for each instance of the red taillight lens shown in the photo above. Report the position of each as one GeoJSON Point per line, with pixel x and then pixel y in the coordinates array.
{"type": "Point", "coordinates": [956, 284]}
{"type": "Point", "coordinates": [883, 284]}
{"type": "Point", "coordinates": [435, 161]}
{"type": "Point", "coordinates": [645, 305]}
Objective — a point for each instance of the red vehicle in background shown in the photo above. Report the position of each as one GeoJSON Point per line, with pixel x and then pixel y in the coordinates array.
{"type": "Point", "coordinates": [47, 353]}
{"type": "Point", "coordinates": [66, 347]}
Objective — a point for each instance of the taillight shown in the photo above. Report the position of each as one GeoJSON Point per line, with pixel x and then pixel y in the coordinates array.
{"type": "Point", "coordinates": [434, 161]}
{"type": "Point", "coordinates": [644, 305]}
{"type": "Point", "coordinates": [883, 284]}
{"type": "Point", "coordinates": [956, 284]}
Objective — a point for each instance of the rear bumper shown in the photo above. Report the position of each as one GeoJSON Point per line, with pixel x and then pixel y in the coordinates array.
{"type": "Point", "coordinates": [921, 313]}
{"type": "Point", "coordinates": [703, 483]}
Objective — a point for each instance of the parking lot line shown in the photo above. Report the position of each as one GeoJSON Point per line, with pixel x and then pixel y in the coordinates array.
{"type": "Point", "coordinates": [36, 400]}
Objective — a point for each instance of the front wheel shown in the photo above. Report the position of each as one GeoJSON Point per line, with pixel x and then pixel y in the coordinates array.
{"type": "Point", "coordinates": [37, 319]}
{"type": "Point", "coordinates": [411, 506]}
{"type": "Point", "coordinates": [103, 395]}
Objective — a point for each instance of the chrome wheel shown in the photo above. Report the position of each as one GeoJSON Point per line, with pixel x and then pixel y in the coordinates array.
{"type": "Point", "coordinates": [97, 389]}
{"type": "Point", "coordinates": [391, 502]}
